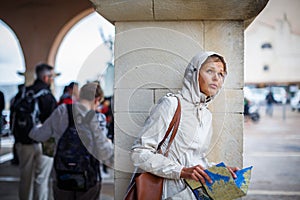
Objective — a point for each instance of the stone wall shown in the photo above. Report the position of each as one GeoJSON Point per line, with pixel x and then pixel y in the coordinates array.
{"type": "Point", "coordinates": [150, 59]}
{"type": "Point", "coordinates": [154, 42]}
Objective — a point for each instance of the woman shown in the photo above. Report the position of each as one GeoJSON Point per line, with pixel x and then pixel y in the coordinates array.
{"type": "Point", "coordinates": [203, 79]}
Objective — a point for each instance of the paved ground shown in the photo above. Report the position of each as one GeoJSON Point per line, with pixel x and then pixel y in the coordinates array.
{"type": "Point", "coordinates": [9, 176]}
{"type": "Point", "coordinates": [272, 146]}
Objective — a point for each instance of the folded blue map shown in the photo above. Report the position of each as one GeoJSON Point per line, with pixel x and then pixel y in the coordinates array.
{"type": "Point", "coordinates": [224, 186]}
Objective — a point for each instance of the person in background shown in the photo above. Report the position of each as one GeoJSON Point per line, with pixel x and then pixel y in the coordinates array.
{"type": "Point", "coordinates": [2, 106]}
{"type": "Point", "coordinates": [270, 101]}
{"type": "Point", "coordinates": [15, 160]}
{"type": "Point", "coordinates": [187, 156]}
{"type": "Point", "coordinates": [90, 96]}
{"type": "Point", "coordinates": [105, 118]}
{"type": "Point", "coordinates": [106, 109]}
{"type": "Point", "coordinates": [34, 167]}
{"type": "Point", "coordinates": [246, 109]}
{"type": "Point", "coordinates": [70, 94]}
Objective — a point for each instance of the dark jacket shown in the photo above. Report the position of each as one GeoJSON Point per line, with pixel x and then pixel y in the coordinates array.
{"type": "Point", "coordinates": [2, 106]}
{"type": "Point", "coordinates": [270, 98]}
{"type": "Point", "coordinates": [47, 103]}
{"type": "Point", "coordinates": [2, 101]}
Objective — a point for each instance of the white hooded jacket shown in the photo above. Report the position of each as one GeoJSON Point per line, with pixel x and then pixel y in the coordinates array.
{"type": "Point", "coordinates": [191, 141]}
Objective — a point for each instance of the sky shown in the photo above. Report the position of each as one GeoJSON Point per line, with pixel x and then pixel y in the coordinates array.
{"type": "Point", "coordinates": [70, 59]}
{"type": "Point", "coordinates": [11, 57]}
{"type": "Point", "coordinates": [82, 43]}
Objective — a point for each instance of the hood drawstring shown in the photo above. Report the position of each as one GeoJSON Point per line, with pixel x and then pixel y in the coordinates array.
{"type": "Point", "coordinates": [199, 110]}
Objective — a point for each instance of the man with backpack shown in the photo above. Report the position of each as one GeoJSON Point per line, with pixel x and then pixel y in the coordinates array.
{"type": "Point", "coordinates": [81, 144]}
{"type": "Point", "coordinates": [33, 105]}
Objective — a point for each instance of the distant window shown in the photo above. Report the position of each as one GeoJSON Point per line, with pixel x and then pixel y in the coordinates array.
{"type": "Point", "coordinates": [266, 68]}
{"type": "Point", "coordinates": [266, 45]}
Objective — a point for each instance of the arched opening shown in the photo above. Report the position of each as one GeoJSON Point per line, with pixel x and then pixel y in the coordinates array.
{"type": "Point", "coordinates": [82, 52]}
{"type": "Point", "coordinates": [11, 62]}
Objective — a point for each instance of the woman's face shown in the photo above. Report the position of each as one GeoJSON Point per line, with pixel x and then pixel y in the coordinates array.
{"type": "Point", "coordinates": [211, 77]}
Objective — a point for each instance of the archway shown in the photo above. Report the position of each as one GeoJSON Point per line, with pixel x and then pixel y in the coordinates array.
{"type": "Point", "coordinates": [81, 52]}
{"type": "Point", "coordinates": [11, 62]}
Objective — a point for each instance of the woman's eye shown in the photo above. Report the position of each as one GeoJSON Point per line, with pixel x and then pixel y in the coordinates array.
{"type": "Point", "coordinates": [221, 75]}
{"type": "Point", "coordinates": [209, 71]}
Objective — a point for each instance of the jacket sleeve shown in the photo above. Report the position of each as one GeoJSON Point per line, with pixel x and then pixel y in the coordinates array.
{"type": "Point", "coordinates": [54, 126]}
{"type": "Point", "coordinates": [143, 154]}
{"type": "Point", "coordinates": [101, 147]}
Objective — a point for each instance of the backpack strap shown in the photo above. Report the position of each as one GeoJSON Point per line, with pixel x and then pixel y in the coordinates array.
{"type": "Point", "coordinates": [18, 98]}
{"type": "Point", "coordinates": [70, 114]}
{"type": "Point", "coordinates": [36, 109]}
{"type": "Point", "coordinates": [23, 92]}
{"type": "Point", "coordinates": [42, 92]}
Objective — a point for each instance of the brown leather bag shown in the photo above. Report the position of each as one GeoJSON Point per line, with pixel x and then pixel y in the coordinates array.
{"type": "Point", "coordinates": [147, 186]}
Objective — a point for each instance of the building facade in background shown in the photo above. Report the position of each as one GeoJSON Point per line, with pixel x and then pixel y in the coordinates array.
{"type": "Point", "coordinates": [272, 55]}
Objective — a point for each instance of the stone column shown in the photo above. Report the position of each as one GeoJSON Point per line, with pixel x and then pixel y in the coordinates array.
{"type": "Point", "coordinates": [155, 40]}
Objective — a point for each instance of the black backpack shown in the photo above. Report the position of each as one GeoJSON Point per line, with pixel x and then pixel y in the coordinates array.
{"type": "Point", "coordinates": [76, 169]}
{"type": "Point", "coordinates": [26, 114]}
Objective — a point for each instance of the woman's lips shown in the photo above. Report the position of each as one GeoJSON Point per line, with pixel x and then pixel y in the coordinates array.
{"type": "Point", "coordinates": [213, 86]}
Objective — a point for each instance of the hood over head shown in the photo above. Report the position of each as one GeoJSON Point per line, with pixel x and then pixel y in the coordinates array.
{"type": "Point", "coordinates": [190, 90]}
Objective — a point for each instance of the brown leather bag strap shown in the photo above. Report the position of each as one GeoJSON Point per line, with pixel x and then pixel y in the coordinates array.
{"type": "Point", "coordinates": [174, 124]}
{"type": "Point", "coordinates": [174, 132]}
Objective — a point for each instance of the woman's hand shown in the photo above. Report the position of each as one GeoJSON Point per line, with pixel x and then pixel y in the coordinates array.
{"type": "Point", "coordinates": [196, 173]}
{"type": "Point", "coordinates": [232, 170]}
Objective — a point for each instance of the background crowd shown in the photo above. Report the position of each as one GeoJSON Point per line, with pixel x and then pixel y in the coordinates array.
{"type": "Point", "coordinates": [35, 116]}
